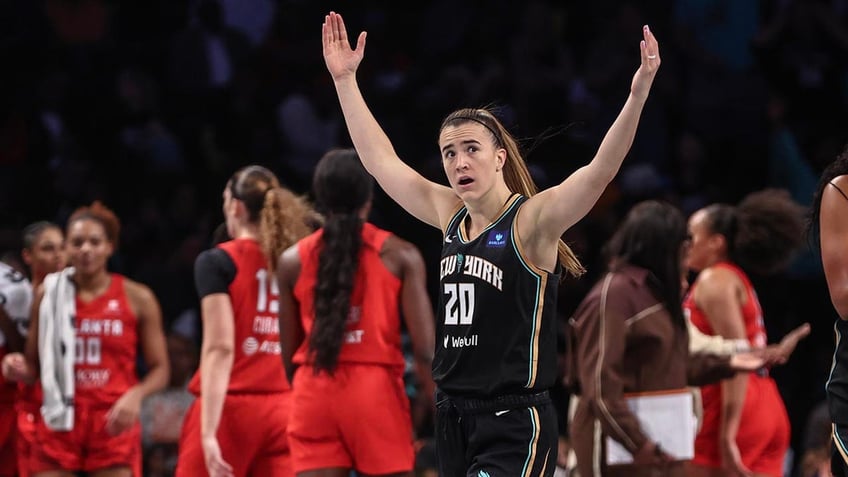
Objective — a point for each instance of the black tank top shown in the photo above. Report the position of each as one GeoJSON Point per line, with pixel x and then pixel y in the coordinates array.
{"type": "Point", "coordinates": [496, 330]}
{"type": "Point", "coordinates": [837, 382]}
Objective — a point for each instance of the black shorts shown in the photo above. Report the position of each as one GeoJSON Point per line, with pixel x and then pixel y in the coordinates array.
{"type": "Point", "coordinates": [506, 436]}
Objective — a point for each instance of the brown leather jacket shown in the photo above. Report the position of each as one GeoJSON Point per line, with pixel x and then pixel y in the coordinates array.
{"type": "Point", "coordinates": [623, 340]}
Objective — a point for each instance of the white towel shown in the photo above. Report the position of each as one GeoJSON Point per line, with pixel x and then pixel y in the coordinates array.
{"type": "Point", "coordinates": [56, 348]}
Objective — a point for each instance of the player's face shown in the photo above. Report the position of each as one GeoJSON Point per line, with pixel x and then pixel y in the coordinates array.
{"type": "Point", "coordinates": [470, 158]}
{"type": "Point", "coordinates": [47, 254]}
{"type": "Point", "coordinates": [228, 208]}
{"type": "Point", "coordinates": [701, 251]}
{"type": "Point", "coordinates": [88, 246]}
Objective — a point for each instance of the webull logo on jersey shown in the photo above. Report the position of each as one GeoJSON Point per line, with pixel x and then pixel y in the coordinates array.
{"type": "Point", "coordinates": [460, 341]}
{"type": "Point", "coordinates": [496, 239]}
{"type": "Point", "coordinates": [472, 266]}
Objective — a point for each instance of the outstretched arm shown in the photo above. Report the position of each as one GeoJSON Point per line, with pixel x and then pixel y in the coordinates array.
{"type": "Point", "coordinates": [551, 212]}
{"type": "Point", "coordinates": [779, 353]}
{"type": "Point", "coordinates": [429, 202]}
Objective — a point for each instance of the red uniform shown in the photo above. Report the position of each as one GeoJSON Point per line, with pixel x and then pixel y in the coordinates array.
{"type": "Point", "coordinates": [332, 422]}
{"type": "Point", "coordinates": [763, 436]}
{"type": "Point", "coordinates": [253, 423]}
{"type": "Point", "coordinates": [105, 368]}
{"type": "Point", "coordinates": [28, 410]}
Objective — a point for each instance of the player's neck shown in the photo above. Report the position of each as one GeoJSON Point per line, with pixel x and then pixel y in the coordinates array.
{"type": "Point", "coordinates": [249, 231]}
{"type": "Point", "coordinates": [93, 284]}
{"type": "Point", "coordinates": [485, 211]}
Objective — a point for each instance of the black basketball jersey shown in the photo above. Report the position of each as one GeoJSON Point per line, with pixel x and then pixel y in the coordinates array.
{"type": "Point", "coordinates": [496, 330]}
{"type": "Point", "coordinates": [837, 382]}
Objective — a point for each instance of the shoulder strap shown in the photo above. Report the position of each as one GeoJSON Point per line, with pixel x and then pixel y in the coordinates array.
{"type": "Point", "coordinates": [840, 190]}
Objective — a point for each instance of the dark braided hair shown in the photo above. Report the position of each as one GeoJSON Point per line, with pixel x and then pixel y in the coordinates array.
{"type": "Point", "coordinates": [342, 187]}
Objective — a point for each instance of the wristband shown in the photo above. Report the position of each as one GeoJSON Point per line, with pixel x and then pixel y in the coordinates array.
{"type": "Point", "coordinates": [741, 345]}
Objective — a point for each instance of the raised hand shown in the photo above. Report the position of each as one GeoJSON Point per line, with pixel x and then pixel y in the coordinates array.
{"type": "Point", "coordinates": [747, 361]}
{"type": "Point", "coordinates": [777, 354]}
{"type": "Point", "coordinates": [340, 59]}
{"type": "Point", "coordinates": [644, 76]}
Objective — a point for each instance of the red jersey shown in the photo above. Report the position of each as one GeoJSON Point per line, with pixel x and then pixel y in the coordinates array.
{"type": "Point", "coordinates": [373, 324]}
{"type": "Point", "coordinates": [257, 365]}
{"type": "Point", "coordinates": [763, 434]}
{"type": "Point", "coordinates": [106, 346]}
{"type": "Point", "coordinates": [755, 330]}
{"type": "Point", "coordinates": [29, 397]}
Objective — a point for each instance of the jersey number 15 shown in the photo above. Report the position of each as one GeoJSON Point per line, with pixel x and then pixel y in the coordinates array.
{"type": "Point", "coordinates": [263, 303]}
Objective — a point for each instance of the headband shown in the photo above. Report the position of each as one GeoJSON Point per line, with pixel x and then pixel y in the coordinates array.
{"type": "Point", "coordinates": [471, 118]}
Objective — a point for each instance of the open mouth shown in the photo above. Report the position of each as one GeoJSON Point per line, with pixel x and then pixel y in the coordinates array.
{"type": "Point", "coordinates": [465, 181]}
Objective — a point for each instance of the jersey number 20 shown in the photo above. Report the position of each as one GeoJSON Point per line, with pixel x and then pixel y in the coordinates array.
{"type": "Point", "coordinates": [459, 308]}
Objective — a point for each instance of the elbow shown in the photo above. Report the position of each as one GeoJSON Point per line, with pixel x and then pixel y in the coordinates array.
{"type": "Point", "coordinates": [608, 177]}
{"type": "Point", "coordinates": [603, 177]}
{"type": "Point", "coordinates": [599, 173]}
{"type": "Point", "coordinates": [165, 375]}
{"type": "Point", "coordinates": [222, 352]}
